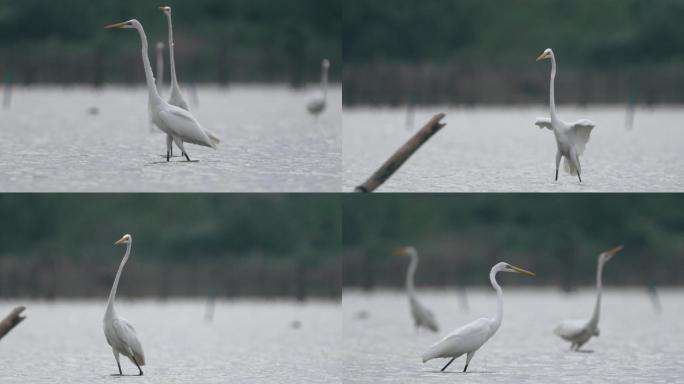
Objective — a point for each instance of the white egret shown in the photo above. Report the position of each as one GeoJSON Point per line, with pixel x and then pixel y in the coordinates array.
{"type": "Point", "coordinates": [120, 333]}
{"type": "Point", "coordinates": [579, 332]}
{"type": "Point", "coordinates": [175, 96]}
{"type": "Point", "coordinates": [571, 138]}
{"type": "Point", "coordinates": [176, 122]}
{"type": "Point", "coordinates": [318, 104]}
{"type": "Point", "coordinates": [470, 337]}
{"type": "Point", "coordinates": [422, 317]}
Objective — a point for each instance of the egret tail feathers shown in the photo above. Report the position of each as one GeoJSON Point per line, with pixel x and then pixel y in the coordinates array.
{"type": "Point", "coordinates": [569, 167]}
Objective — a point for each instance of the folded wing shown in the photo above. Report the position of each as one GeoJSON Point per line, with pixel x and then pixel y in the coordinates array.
{"type": "Point", "coordinates": [184, 125]}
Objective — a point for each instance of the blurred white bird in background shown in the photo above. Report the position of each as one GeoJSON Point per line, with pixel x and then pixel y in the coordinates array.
{"type": "Point", "coordinates": [578, 332]}
{"type": "Point", "coordinates": [571, 138]}
{"type": "Point", "coordinates": [422, 317]}
{"type": "Point", "coordinates": [120, 334]}
{"type": "Point", "coordinates": [176, 122]}
{"type": "Point", "coordinates": [175, 96]}
{"type": "Point", "coordinates": [469, 338]}
{"type": "Point", "coordinates": [318, 104]}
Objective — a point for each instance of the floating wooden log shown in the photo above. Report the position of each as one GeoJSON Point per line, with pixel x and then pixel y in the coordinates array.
{"type": "Point", "coordinates": [11, 321]}
{"type": "Point", "coordinates": [404, 153]}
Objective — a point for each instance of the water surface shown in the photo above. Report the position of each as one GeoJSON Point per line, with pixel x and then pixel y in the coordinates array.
{"type": "Point", "coordinates": [81, 139]}
{"type": "Point", "coordinates": [500, 150]}
{"type": "Point", "coordinates": [247, 342]}
{"type": "Point", "coordinates": [637, 344]}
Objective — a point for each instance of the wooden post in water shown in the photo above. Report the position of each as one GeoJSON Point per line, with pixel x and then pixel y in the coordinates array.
{"type": "Point", "coordinates": [404, 153]}
{"type": "Point", "coordinates": [11, 321]}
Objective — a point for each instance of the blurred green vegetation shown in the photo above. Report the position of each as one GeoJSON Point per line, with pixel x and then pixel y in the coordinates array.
{"type": "Point", "coordinates": [171, 227]}
{"type": "Point", "coordinates": [594, 33]}
{"type": "Point", "coordinates": [483, 51]}
{"type": "Point", "coordinates": [216, 40]}
{"type": "Point", "coordinates": [460, 237]}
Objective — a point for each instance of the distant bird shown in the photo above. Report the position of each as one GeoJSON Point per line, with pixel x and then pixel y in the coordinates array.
{"type": "Point", "coordinates": [176, 122]}
{"type": "Point", "coordinates": [175, 96]}
{"type": "Point", "coordinates": [318, 104]}
{"type": "Point", "coordinates": [119, 333]}
{"type": "Point", "coordinates": [469, 338]}
{"type": "Point", "coordinates": [422, 317]}
{"type": "Point", "coordinates": [578, 332]}
{"type": "Point", "coordinates": [571, 138]}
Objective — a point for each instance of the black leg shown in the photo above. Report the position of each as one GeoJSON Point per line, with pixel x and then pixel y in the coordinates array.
{"type": "Point", "coordinates": [556, 174]}
{"type": "Point", "coordinates": [168, 155]}
{"type": "Point", "coordinates": [580, 177]}
{"type": "Point", "coordinates": [186, 156]}
{"type": "Point", "coordinates": [466, 368]}
{"type": "Point", "coordinates": [448, 364]}
{"type": "Point", "coordinates": [136, 364]}
{"type": "Point", "coordinates": [119, 365]}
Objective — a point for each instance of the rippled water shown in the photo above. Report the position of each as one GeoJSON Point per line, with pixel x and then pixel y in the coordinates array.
{"type": "Point", "coordinates": [637, 345]}
{"type": "Point", "coordinates": [248, 342]}
{"type": "Point", "coordinates": [81, 139]}
{"type": "Point", "coordinates": [500, 150]}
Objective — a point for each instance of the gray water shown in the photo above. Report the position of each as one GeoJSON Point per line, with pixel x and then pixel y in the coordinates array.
{"type": "Point", "coordinates": [500, 150]}
{"type": "Point", "coordinates": [636, 345]}
{"type": "Point", "coordinates": [248, 342]}
{"type": "Point", "coordinates": [50, 140]}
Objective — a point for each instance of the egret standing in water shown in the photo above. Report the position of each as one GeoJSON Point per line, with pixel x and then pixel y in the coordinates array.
{"type": "Point", "coordinates": [119, 333]}
{"type": "Point", "coordinates": [470, 337]}
{"type": "Point", "coordinates": [176, 122]}
{"type": "Point", "coordinates": [175, 96]}
{"type": "Point", "coordinates": [571, 138]}
{"type": "Point", "coordinates": [318, 104]}
{"type": "Point", "coordinates": [578, 332]}
{"type": "Point", "coordinates": [422, 317]}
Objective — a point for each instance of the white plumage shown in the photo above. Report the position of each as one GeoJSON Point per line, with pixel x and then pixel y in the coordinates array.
{"type": "Point", "coordinates": [469, 338]}
{"type": "Point", "coordinates": [578, 332]}
{"type": "Point", "coordinates": [422, 317]}
{"type": "Point", "coordinates": [120, 334]}
{"type": "Point", "coordinates": [318, 105]}
{"type": "Point", "coordinates": [179, 124]}
{"type": "Point", "coordinates": [571, 138]}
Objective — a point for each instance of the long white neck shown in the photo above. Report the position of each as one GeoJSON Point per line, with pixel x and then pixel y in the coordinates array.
{"type": "Point", "coordinates": [174, 79]}
{"type": "Point", "coordinates": [410, 275]}
{"type": "Point", "coordinates": [599, 286]}
{"type": "Point", "coordinates": [160, 66]}
{"type": "Point", "coordinates": [324, 82]}
{"type": "Point", "coordinates": [149, 76]}
{"type": "Point", "coordinates": [499, 299]}
{"type": "Point", "coordinates": [112, 294]}
{"type": "Point", "coordinates": [552, 93]}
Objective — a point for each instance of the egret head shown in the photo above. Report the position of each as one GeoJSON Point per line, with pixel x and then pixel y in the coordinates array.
{"type": "Point", "coordinates": [405, 251]}
{"type": "Point", "coordinates": [123, 25]}
{"type": "Point", "coordinates": [547, 54]}
{"type": "Point", "coordinates": [326, 63]}
{"type": "Point", "coordinates": [505, 267]}
{"type": "Point", "coordinates": [126, 239]}
{"type": "Point", "coordinates": [607, 255]}
{"type": "Point", "coordinates": [166, 9]}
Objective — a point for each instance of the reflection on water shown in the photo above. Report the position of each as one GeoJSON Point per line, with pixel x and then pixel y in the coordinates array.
{"type": "Point", "coordinates": [500, 150]}
{"type": "Point", "coordinates": [637, 344]}
{"type": "Point", "coordinates": [80, 139]}
{"type": "Point", "coordinates": [247, 341]}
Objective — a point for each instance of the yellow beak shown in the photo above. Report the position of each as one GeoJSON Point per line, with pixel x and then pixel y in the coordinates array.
{"type": "Point", "coordinates": [117, 25]}
{"type": "Point", "coordinates": [163, 8]}
{"type": "Point", "coordinates": [399, 252]}
{"type": "Point", "coordinates": [120, 241]}
{"type": "Point", "coordinates": [520, 270]}
{"type": "Point", "coordinates": [615, 250]}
